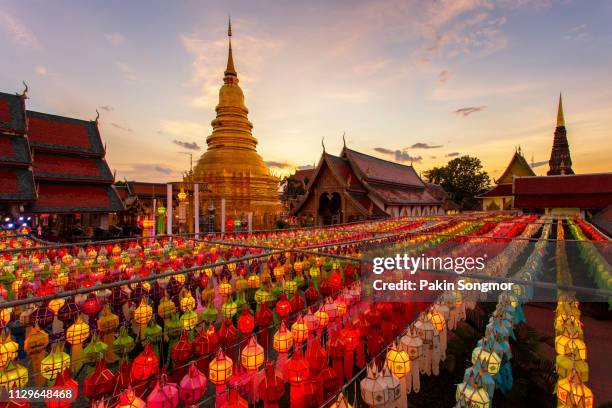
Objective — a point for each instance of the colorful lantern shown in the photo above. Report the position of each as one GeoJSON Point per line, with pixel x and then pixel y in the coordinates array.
{"type": "Point", "coordinates": [398, 361]}
{"type": "Point", "coordinates": [246, 321]}
{"type": "Point", "coordinates": [100, 382]}
{"type": "Point", "coordinates": [220, 369]}
{"type": "Point", "coordinates": [490, 357]}
{"type": "Point", "coordinates": [192, 386]}
{"type": "Point", "coordinates": [298, 369]}
{"type": "Point", "coordinates": [8, 349]}
{"type": "Point", "coordinates": [299, 330]}
{"type": "Point", "coordinates": [164, 395]}
{"type": "Point", "coordinates": [252, 356]}
{"type": "Point", "coordinates": [373, 391]}
{"type": "Point", "coordinates": [145, 365]}
{"type": "Point", "coordinates": [129, 399]}
{"type": "Point", "coordinates": [322, 317]}
{"type": "Point", "coordinates": [571, 392]}
{"type": "Point", "coordinates": [55, 363]}
{"type": "Point", "coordinates": [13, 375]}
{"type": "Point", "coordinates": [282, 340]}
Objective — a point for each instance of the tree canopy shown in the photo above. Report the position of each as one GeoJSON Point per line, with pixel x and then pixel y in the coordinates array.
{"type": "Point", "coordinates": [462, 177]}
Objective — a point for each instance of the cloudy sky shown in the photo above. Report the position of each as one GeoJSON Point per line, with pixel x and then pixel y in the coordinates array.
{"type": "Point", "coordinates": [407, 80]}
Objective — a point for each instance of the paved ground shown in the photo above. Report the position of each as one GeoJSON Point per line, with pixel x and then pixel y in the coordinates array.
{"type": "Point", "coordinates": [598, 338]}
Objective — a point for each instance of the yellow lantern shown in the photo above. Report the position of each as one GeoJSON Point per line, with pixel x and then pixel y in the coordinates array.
{"type": "Point", "coordinates": [14, 375]}
{"type": "Point", "coordinates": [279, 272]}
{"type": "Point", "coordinates": [55, 363]}
{"type": "Point", "coordinates": [5, 315]}
{"type": "Point", "coordinates": [188, 303]}
{"type": "Point", "coordinates": [571, 345]}
{"type": "Point", "coordinates": [566, 364]}
{"type": "Point", "coordinates": [437, 320]}
{"type": "Point", "coordinates": [78, 332]}
{"type": "Point", "coordinates": [143, 313]}
{"type": "Point", "coordinates": [290, 286]}
{"type": "Point", "coordinates": [571, 392]}
{"type": "Point", "coordinates": [56, 304]}
{"type": "Point", "coordinates": [314, 272]}
{"type": "Point", "coordinates": [398, 362]}
{"type": "Point", "coordinates": [282, 340]}
{"type": "Point", "coordinates": [8, 350]}
{"type": "Point", "coordinates": [490, 357]}
{"type": "Point", "coordinates": [299, 330]}
{"type": "Point", "coordinates": [252, 356]}
{"type": "Point", "coordinates": [225, 289]}
{"type": "Point", "coordinates": [220, 369]}
{"type": "Point", "coordinates": [298, 266]}
{"type": "Point", "coordinates": [253, 281]}
{"type": "Point", "coordinates": [322, 317]}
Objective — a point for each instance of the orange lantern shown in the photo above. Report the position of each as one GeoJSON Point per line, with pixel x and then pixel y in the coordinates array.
{"type": "Point", "coordinates": [220, 369]}
{"type": "Point", "coordinates": [252, 356]}
{"type": "Point", "coordinates": [283, 340]}
{"type": "Point", "coordinates": [299, 330]}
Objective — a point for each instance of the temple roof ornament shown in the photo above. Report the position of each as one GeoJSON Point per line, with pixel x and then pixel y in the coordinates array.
{"type": "Point", "coordinates": [560, 117]}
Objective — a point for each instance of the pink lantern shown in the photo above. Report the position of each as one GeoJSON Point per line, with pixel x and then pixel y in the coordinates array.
{"type": "Point", "coordinates": [192, 386]}
{"type": "Point", "coordinates": [164, 395]}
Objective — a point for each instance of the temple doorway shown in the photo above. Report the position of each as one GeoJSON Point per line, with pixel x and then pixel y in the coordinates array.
{"type": "Point", "coordinates": [330, 209]}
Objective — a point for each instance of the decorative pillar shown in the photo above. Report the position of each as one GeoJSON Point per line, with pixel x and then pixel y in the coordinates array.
{"type": "Point", "coordinates": [169, 209]}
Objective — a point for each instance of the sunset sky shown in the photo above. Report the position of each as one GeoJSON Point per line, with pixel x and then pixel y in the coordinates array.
{"type": "Point", "coordinates": [407, 80]}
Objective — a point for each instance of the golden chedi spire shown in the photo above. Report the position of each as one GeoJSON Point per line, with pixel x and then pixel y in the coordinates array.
{"type": "Point", "coordinates": [231, 166]}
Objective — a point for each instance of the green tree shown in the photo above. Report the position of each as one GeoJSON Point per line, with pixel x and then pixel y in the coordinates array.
{"type": "Point", "coordinates": [462, 177]}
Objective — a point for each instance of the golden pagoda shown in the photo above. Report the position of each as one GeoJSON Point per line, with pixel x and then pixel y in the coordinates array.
{"type": "Point", "coordinates": [231, 166]}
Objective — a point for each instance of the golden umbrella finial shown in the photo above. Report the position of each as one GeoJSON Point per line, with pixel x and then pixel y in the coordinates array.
{"type": "Point", "coordinates": [230, 70]}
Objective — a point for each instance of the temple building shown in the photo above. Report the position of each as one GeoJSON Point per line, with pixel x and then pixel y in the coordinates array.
{"type": "Point", "coordinates": [560, 159]}
{"type": "Point", "coordinates": [53, 170]}
{"type": "Point", "coordinates": [560, 192]}
{"type": "Point", "coordinates": [355, 186]}
{"type": "Point", "coordinates": [499, 198]}
{"type": "Point", "coordinates": [231, 167]}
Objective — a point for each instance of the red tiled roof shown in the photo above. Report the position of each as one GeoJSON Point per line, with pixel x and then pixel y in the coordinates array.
{"type": "Point", "coordinates": [375, 169]}
{"type": "Point", "coordinates": [16, 184]}
{"type": "Point", "coordinates": [436, 191]}
{"type": "Point", "coordinates": [48, 166]}
{"type": "Point", "coordinates": [364, 201]}
{"type": "Point", "coordinates": [12, 116]}
{"type": "Point", "coordinates": [564, 185]}
{"type": "Point", "coordinates": [5, 113]}
{"type": "Point", "coordinates": [61, 134]}
{"type": "Point", "coordinates": [343, 169]}
{"type": "Point", "coordinates": [500, 190]}
{"type": "Point", "coordinates": [143, 189]}
{"type": "Point", "coordinates": [397, 195]}
{"type": "Point", "coordinates": [72, 198]}
{"type": "Point", "coordinates": [14, 150]}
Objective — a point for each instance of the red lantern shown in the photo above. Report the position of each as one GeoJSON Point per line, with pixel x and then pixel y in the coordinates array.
{"type": "Point", "coordinates": [203, 346]}
{"type": "Point", "coordinates": [312, 295]}
{"type": "Point", "coordinates": [335, 281]}
{"type": "Point", "coordinates": [272, 387]}
{"type": "Point", "coordinates": [145, 365]}
{"type": "Point", "coordinates": [181, 351]}
{"type": "Point", "coordinates": [100, 382]}
{"type": "Point", "coordinates": [316, 355]}
{"type": "Point", "coordinates": [246, 321]}
{"type": "Point", "coordinates": [192, 386]}
{"type": "Point", "coordinates": [297, 302]}
{"type": "Point", "coordinates": [264, 319]}
{"type": "Point", "coordinates": [283, 307]}
{"type": "Point", "coordinates": [235, 400]}
{"type": "Point", "coordinates": [228, 335]}
{"type": "Point", "coordinates": [298, 369]}
{"type": "Point", "coordinates": [64, 381]}
{"type": "Point", "coordinates": [328, 382]}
